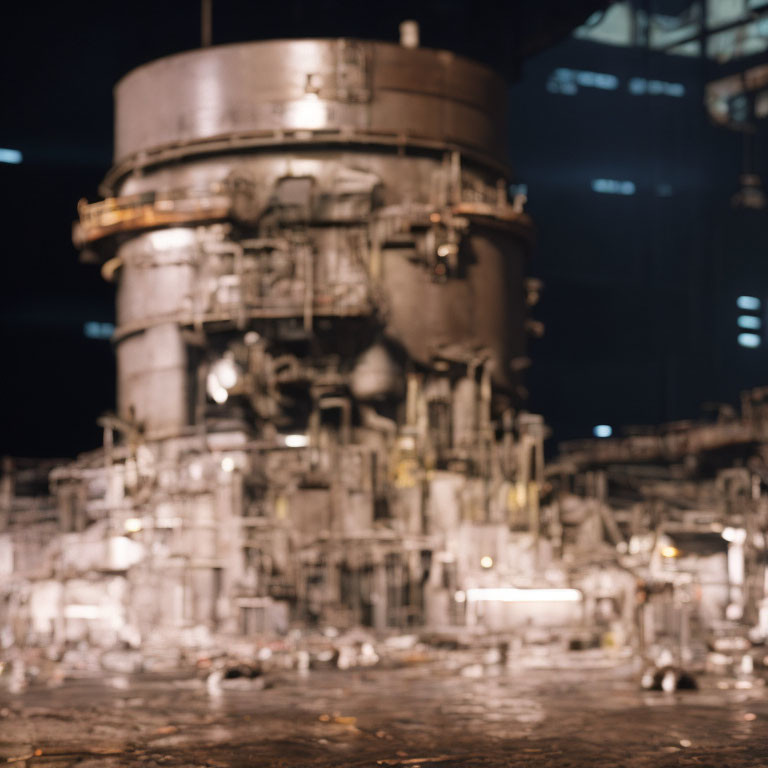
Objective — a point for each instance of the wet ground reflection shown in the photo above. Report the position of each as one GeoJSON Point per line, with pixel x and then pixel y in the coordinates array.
{"type": "Point", "coordinates": [430, 715]}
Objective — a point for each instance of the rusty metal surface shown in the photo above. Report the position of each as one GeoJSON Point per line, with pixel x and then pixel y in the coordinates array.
{"type": "Point", "coordinates": [134, 213]}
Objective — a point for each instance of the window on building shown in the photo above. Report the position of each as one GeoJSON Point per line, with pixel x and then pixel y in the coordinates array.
{"type": "Point", "coordinates": [750, 322]}
{"type": "Point", "coordinates": [568, 81]}
{"type": "Point", "coordinates": [639, 86]}
{"type": "Point", "coordinates": [96, 330]}
{"type": "Point", "coordinates": [721, 12]}
{"type": "Point", "coordinates": [613, 26]}
{"type": "Point", "coordinates": [668, 31]}
{"type": "Point", "coordinates": [613, 187]}
{"type": "Point", "coordinates": [748, 340]}
{"type": "Point", "coordinates": [12, 156]}
{"type": "Point", "coordinates": [744, 40]}
{"type": "Point", "coordinates": [751, 303]}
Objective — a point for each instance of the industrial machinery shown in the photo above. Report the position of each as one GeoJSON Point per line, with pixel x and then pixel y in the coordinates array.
{"type": "Point", "coordinates": [322, 313]}
{"type": "Point", "coordinates": [321, 322]}
{"type": "Point", "coordinates": [679, 513]}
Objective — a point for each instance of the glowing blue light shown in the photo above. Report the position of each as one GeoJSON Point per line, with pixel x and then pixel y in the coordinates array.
{"type": "Point", "coordinates": [10, 156]}
{"type": "Point", "coordinates": [749, 321]}
{"type": "Point", "coordinates": [749, 340]}
{"type": "Point", "coordinates": [567, 81]}
{"type": "Point", "coordinates": [602, 430]}
{"type": "Point", "coordinates": [639, 86]}
{"type": "Point", "coordinates": [599, 80]}
{"type": "Point", "coordinates": [748, 302]}
{"type": "Point", "coordinates": [613, 187]}
{"type": "Point", "coordinates": [96, 330]}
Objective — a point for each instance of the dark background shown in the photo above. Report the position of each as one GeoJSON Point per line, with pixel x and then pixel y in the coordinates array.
{"type": "Point", "coordinates": [639, 290]}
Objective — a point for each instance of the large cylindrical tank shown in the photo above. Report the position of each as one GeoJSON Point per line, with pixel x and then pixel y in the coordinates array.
{"type": "Point", "coordinates": [347, 90]}
{"type": "Point", "coordinates": [308, 180]}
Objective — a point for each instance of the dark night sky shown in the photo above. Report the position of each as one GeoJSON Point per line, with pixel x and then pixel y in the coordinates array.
{"type": "Point", "coordinates": [630, 303]}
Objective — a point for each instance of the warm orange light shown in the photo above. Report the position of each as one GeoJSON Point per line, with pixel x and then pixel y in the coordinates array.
{"type": "Point", "coordinates": [670, 552]}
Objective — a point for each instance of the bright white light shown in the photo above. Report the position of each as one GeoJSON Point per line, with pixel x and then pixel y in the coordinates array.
{"type": "Point", "coordinates": [123, 552]}
{"type": "Point", "coordinates": [216, 392]}
{"type": "Point", "coordinates": [735, 560]}
{"type": "Point", "coordinates": [308, 112]}
{"type": "Point", "coordinates": [170, 239]}
{"type": "Point", "coordinates": [133, 524]}
{"type": "Point", "coordinates": [251, 338]}
{"type": "Point", "coordinates": [226, 372]}
{"type": "Point", "coordinates": [613, 187]}
{"type": "Point", "coordinates": [12, 156]}
{"type": "Point", "coordinates": [460, 596]}
{"type": "Point", "coordinates": [82, 612]}
{"type": "Point", "coordinates": [749, 340]}
{"type": "Point", "coordinates": [750, 303]}
{"type": "Point", "coordinates": [734, 535]}
{"type": "Point", "coordinates": [228, 464]}
{"type": "Point", "coordinates": [514, 595]}
{"type": "Point", "coordinates": [749, 321]}
{"type": "Point", "coordinates": [602, 430]}
{"type": "Point", "coordinates": [486, 561]}
{"type": "Point", "coordinates": [168, 522]}
{"type": "Point", "coordinates": [296, 441]}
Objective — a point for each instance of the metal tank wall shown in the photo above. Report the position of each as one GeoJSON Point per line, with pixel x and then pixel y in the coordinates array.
{"type": "Point", "coordinates": [321, 322]}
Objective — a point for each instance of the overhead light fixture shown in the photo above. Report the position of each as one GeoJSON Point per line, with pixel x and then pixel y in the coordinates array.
{"type": "Point", "coordinates": [486, 561]}
{"type": "Point", "coordinates": [296, 441]}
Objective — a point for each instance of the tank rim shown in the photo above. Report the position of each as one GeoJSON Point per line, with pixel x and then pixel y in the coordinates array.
{"type": "Point", "coordinates": [280, 40]}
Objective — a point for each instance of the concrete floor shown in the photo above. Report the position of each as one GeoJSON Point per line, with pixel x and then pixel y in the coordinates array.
{"type": "Point", "coordinates": [433, 715]}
